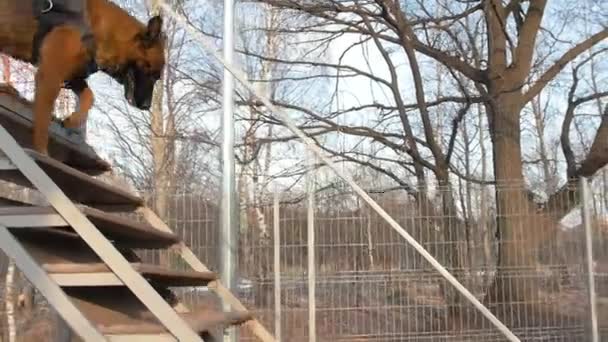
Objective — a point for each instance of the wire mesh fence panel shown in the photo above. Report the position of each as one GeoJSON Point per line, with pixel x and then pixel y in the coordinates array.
{"type": "Point", "coordinates": [24, 314]}
{"type": "Point", "coordinates": [372, 286]}
{"type": "Point", "coordinates": [599, 223]}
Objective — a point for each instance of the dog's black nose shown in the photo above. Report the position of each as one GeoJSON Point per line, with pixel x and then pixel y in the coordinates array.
{"type": "Point", "coordinates": [144, 104]}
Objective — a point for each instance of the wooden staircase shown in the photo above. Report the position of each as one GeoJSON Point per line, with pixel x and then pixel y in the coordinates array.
{"type": "Point", "coordinates": [78, 250]}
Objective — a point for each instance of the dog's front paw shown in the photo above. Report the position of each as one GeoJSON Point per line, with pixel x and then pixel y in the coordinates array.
{"type": "Point", "coordinates": [72, 122]}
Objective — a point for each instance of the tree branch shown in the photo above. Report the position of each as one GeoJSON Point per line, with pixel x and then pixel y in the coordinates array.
{"type": "Point", "coordinates": [559, 65]}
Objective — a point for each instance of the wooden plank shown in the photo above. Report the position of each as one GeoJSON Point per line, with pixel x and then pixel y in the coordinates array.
{"type": "Point", "coordinates": [46, 233]}
{"type": "Point", "coordinates": [89, 233]}
{"type": "Point", "coordinates": [174, 277]}
{"type": "Point", "coordinates": [30, 217]}
{"type": "Point", "coordinates": [130, 232]}
{"type": "Point", "coordinates": [120, 229]}
{"type": "Point", "coordinates": [51, 291]}
{"type": "Point", "coordinates": [60, 249]}
{"type": "Point", "coordinates": [155, 274]}
{"type": "Point", "coordinates": [16, 117]}
{"type": "Point", "coordinates": [9, 202]}
{"type": "Point", "coordinates": [32, 220]}
{"type": "Point", "coordinates": [86, 279]}
{"type": "Point", "coordinates": [200, 321]}
{"type": "Point", "coordinates": [78, 186]}
{"type": "Point", "coordinates": [116, 312]}
{"type": "Point", "coordinates": [141, 337]}
{"type": "Point", "coordinates": [65, 253]}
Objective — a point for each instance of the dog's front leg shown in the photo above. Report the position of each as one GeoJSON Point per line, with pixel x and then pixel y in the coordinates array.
{"type": "Point", "coordinates": [61, 54]}
{"type": "Point", "coordinates": [85, 103]}
{"type": "Point", "coordinates": [48, 85]}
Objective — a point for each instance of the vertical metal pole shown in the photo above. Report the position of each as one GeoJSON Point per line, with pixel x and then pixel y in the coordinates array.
{"type": "Point", "coordinates": [586, 215]}
{"type": "Point", "coordinates": [228, 246]}
{"type": "Point", "coordinates": [312, 305]}
{"type": "Point", "coordinates": [277, 269]}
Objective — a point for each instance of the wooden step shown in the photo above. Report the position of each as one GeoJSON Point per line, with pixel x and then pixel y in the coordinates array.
{"type": "Point", "coordinates": [204, 321]}
{"type": "Point", "coordinates": [73, 264]}
{"type": "Point", "coordinates": [77, 185]}
{"type": "Point", "coordinates": [16, 117]}
{"type": "Point", "coordinates": [99, 274]}
{"type": "Point", "coordinates": [119, 315]}
{"type": "Point", "coordinates": [120, 229]}
{"type": "Point", "coordinates": [7, 202]}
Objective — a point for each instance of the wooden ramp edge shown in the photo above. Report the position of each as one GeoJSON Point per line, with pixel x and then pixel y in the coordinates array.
{"type": "Point", "coordinates": [16, 117]}
{"type": "Point", "coordinates": [122, 230]}
{"type": "Point", "coordinates": [77, 185]}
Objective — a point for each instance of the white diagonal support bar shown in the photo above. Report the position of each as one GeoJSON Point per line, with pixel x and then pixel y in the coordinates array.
{"type": "Point", "coordinates": [98, 243]}
{"type": "Point", "coordinates": [345, 175]}
{"type": "Point", "coordinates": [51, 291]}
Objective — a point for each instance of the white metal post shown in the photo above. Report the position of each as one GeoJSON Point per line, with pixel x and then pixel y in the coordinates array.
{"type": "Point", "coordinates": [586, 216]}
{"type": "Point", "coordinates": [228, 245]}
{"type": "Point", "coordinates": [312, 276]}
{"type": "Point", "coordinates": [277, 268]}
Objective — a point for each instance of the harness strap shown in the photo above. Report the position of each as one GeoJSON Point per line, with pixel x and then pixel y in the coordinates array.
{"type": "Point", "coordinates": [54, 13]}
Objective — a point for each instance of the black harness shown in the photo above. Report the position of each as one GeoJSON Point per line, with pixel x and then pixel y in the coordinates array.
{"type": "Point", "coordinates": [54, 13]}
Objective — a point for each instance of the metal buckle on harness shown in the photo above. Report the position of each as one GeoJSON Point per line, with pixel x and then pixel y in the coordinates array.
{"type": "Point", "coordinates": [49, 8]}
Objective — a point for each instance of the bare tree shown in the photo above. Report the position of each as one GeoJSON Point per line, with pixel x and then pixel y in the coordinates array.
{"type": "Point", "coordinates": [517, 58]}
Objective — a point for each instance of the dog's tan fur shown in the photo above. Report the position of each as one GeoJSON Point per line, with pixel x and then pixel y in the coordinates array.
{"type": "Point", "coordinates": [120, 40]}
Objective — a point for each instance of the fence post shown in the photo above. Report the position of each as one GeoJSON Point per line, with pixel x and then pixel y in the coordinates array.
{"type": "Point", "coordinates": [277, 269]}
{"type": "Point", "coordinates": [229, 230]}
{"type": "Point", "coordinates": [586, 217]}
{"type": "Point", "coordinates": [312, 305]}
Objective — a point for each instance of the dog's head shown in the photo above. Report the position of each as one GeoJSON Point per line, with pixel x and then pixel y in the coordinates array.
{"type": "Point", "coordinates": [143, 65]}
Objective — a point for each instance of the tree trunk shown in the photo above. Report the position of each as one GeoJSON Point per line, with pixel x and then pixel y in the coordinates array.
{"type": "Point", "coordinates": [520, 228]}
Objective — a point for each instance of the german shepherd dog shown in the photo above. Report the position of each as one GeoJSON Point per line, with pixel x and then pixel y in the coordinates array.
{"type": "Point", "coordinates": [68, 40]}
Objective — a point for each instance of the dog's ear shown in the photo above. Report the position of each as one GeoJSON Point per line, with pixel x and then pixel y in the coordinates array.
{"type": "Point", "coordinates": [155, 27]}
{"type": "Point", "coordinates": [153, 32]}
